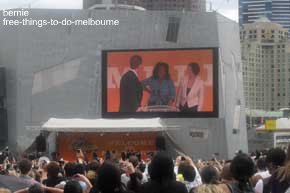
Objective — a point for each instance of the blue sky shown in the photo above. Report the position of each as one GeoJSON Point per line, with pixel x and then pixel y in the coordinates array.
{"type": "Point", "coordinates": [229, 8]}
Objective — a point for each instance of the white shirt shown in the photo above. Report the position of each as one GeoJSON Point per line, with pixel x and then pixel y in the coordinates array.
{"type": "Point", "coordinates": [135, 72]}
{"type": "Point", "coordinates": [263, 174]}
{"type": "Point", "coordinates": [197, 180]}
{"type": "Point", "coordinates": [195, 97]}
{"type": "Point", "coordinates": [288, 190]}
{"type": "Point", "coordinates": [259, 188]}
{"type": "Point", "coordinates": [125, 179]}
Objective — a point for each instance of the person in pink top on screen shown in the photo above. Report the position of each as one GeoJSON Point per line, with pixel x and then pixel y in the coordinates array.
{"type": "Point", "coordinates": [190, 96]}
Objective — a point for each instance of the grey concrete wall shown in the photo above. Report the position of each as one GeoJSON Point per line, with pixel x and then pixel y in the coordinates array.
{"type": "Point", "coordinates": [8, 55]}
{"type": "Point", "coordinates": [30, 52]}
{"type": "Point", "coordinates": [231, 81]}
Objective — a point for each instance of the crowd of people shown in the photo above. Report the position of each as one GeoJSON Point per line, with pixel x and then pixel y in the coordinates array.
{"type": "Point", "coordinates": [266, 172]}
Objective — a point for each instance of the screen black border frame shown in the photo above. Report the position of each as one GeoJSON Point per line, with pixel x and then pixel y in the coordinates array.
{"type": "Point", "coordinates": [213, 114]}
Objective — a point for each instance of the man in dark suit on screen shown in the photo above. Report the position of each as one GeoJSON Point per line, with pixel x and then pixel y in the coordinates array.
{"type": "Point", "coordinates": [131, 90]}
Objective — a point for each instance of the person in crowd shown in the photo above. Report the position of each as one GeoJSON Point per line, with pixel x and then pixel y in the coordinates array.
{"type": "Point", "coordinates": [53, 178]}
{"type": "Point", "coordinates": [123, 156]}
{"type": "Point", "coordinates": [190, 96]}
{"type": "Point", "coordinates": [288, 190]}
{"type": "Point", "coordinates": [125, 177]}
{"type": "Point", "coordinates": [80, 168]}
{"type": "Point", "coordinates": [108, 155]}
{"type": "Point", "coordinates": [7, 168]}
{"type": "Point", "coordinates": [283, 175]}
{"type": "Point", "coordinates": [92, 170]}
{"type": "Point", "coordinates": [209, 188]}
{"type": "Point", "coordinates": [162, 177]}
{"type": "Point", "coordinates": [36, 188]}
{"type": "Point", "coordinates": [261, 174]}
{"type": "Point", "coordinates": [188, 173]}
{"type": "Point", "coordinates": [242, 168]}
{"type": "Point", "coordinates": [275, 159]}
{"type": "Point", "coordinates": [226, 175]}
{"type": "Point", "coordinates": [135, 176]}
{"type": "Point", "coordinates": [72, 186]}
{"type": "Point", "coordinates": [262, 168]}
{"type": "Point", "coordinates": [226, 178]}
{"type": "Point", "coordinates": [25, 167]}
{"type": "Point", "coordinates": [84, 182]}
{"type": "Point", "coordinates": [95, 155]}
{"type": "Point", "coordinates": [160, 86]}
{"type": "Point", "coordinates": [288, 153]}
{"type": "Point", "coordinates": [34, 174]}
{"type": "Point", "coordinates": [71, 173]}
{"type": "Point", "coordinates": [114, 156]}
{"type": "Point", "coordinates": [209, 175]}
{"type": "Point", "coordinates": [109, 180]}
{"type": "Point", "coordinates": [186, 159]}
{"type": "Point", "coordinates": [69, 170]}
{"type": "Point", "coordinates": [55, 156]}
{"type": "Point", "coordinates": [131, 90]}
{"type": "Point", "coordinates": [4, 190]}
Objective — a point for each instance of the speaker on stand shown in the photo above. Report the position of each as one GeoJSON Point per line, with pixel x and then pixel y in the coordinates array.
{"type": "Point", "coordinates": [3, 110]}
{"type": "Point", "coordinates": [40, 143]}
{"type": "Point", "coordinates": [160, 143]}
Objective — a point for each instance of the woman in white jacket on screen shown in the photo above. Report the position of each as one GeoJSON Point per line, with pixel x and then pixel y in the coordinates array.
{"type": "Point", "coordinates": [190, 95]}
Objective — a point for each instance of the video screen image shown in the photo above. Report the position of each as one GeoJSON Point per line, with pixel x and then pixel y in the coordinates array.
{"type": "Point", "coordinates": [164, 83]}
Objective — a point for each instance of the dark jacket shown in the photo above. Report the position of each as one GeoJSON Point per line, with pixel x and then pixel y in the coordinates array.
{"type": "Point", "coordinates": [275, 185]}
{"type": "Point", "coordinates": [52, 182]}
{"type": "Point", "coordinates": [171, 187]}
{"type": "Point", "coordinates": [131, 92]}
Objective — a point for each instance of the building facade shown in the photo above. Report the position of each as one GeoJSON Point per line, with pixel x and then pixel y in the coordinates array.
{"type": "Point", "coordinates": [277, 11]}
{"type": "Point", "coordinates": [55, 71]}
{"type": "Point", "coordinates": [266, 65]}
{"type": "Point", "coordinates": [281, 13]}
{"type": "Point", "coordinates": [187, 5]}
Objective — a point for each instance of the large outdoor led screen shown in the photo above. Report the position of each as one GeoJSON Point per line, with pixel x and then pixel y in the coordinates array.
{"type": "Point", "coordinates": [160, 83]}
